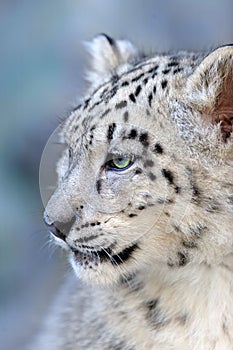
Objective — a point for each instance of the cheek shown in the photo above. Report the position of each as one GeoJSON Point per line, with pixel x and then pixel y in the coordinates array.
{"type": "Point", "coordinates": [114, 192]}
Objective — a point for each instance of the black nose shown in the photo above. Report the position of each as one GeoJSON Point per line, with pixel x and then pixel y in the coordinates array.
{"type": "Point", "coordinates": [55, 230]}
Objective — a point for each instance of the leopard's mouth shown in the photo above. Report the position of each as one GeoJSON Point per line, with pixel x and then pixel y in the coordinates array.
{"type": "Point", "coordinates": [91, 256]}
{"type": "Point", "coordinates": [103, 255]}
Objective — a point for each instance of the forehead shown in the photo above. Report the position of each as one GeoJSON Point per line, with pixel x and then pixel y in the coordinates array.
{"type": "Point", "coordinates": [129, 124]}
{"type": "Point", "coordinates": [137, 97]}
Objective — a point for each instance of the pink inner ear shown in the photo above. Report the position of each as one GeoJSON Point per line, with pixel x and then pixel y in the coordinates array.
{"type": "Point", "coordinates": [223, 112]}
{"type": "Point", "coordinates": [225, 119]}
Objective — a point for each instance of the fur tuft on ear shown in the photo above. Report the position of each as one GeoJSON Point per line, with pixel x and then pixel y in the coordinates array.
{"type": "Point", "coordinates": [107, 55]}
{"type": "Point", "coordinates": [210, 89]}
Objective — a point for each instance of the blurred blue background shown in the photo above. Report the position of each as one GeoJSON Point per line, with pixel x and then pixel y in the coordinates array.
{"type": "Point", "coordinates": [41, 67]}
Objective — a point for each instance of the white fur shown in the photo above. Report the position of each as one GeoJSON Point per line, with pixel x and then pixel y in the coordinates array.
{"type": "Point", "coordinates": [106, 59]}
{"type": "Point", "coordinates": [193, 284]}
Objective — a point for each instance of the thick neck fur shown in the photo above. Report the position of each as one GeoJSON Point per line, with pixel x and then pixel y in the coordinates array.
{"type": "Point", "coordinates": [189, 306]}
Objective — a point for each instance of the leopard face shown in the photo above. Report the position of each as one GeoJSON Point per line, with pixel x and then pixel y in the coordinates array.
{"type": "Point", "coordinates": [138, 183]}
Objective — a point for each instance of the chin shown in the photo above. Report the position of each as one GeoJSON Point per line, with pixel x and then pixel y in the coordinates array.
{"type": "Point", "coordinates": [92, 271]}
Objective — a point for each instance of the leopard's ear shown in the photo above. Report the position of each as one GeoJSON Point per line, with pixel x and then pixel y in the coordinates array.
{"type": "Point", "coordinates": [107, 55]}
{"type": "Point", "coordinates": [210, 88]}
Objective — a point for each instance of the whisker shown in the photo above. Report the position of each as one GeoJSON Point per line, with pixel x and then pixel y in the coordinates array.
{"type": "Point", "coordinates": [109, 255]}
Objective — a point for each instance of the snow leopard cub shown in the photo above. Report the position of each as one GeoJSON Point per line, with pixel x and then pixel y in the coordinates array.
{"type": "Point", "coordinates": [144, 204]}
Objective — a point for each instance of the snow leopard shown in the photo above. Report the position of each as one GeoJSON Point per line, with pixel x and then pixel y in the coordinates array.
{"type": "Point", "coordinates": [144, 204]}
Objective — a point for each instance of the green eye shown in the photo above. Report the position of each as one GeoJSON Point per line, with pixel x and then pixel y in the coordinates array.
{"type": "Point", "coordinates": [120, 163]}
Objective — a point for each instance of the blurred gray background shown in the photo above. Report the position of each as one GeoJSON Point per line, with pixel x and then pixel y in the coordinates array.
{"type": "Point", "coordinates": [41, 67]}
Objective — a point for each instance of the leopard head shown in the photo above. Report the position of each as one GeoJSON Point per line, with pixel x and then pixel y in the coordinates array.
{"type": "Point", "coordinates": [146, 175]}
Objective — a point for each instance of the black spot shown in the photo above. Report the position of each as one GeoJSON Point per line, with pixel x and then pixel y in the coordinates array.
{"type": "Point", "coordinates": [138, 90]}
{"type": "Point", "coordinates": [86, 103]}
{"type": "Point", "coordinates": [154, 314]}
{"type": "Point", "coordinates": [173, 64]}
{"type": "Point", "coordinates": [87, 246]}
{"type": "Point", "coordinates": [177, 70]}
{"type": "Point", "coordinates": [145, 81]}
{"type": "Point", "coordinates": [132, 98]}
{"type": "Point", "coordinates": [158, 148]}
{"type": "Point", "coordinates": [148, 163]}
{"type": "Point", "coordinates": [76, 108]}
{"type": "Point", "coordinates": [144, 139]}
{"type": "Point", "coordinates": [121, 104]}
{"type": "Point", "coordinates": [126, 116]}
{"type": "Point", "coordinates": [132, 215]}
{"type": "Point", "coordinates": [151, 176]}
{"type": "Point", "coordinates": [189, 244]}
{"type": "Point", "coordinates": [182, 259]}
{"type": "Point", "coordinates": [154, 89]}
{"type": "Point", "coordinates": [141, 207]}
{"type": "Point", "coordinates": [98, 186]}
{"type": "Point", "coordinates": [111, 130]}
{"type": "Point", "coordinates": [153, 70]}
{"type": "Point", "coordinates": [170, 178]}
{"type": "Point", "coordinates": [93, 224]}
{"type": "Point", "coordinates": [114, 79]}
{"type": "Point", "coordinates": [168, 175]}
{"type": "Point", "coordinates": [150, 97]}
{"type": "Point", "coordinates": [81, 206]}
{"type": "Point", "coordinates": [124, 255]}
{"type": "Point", "coordinates": [138, 171]}
{"type": "Point", "coordinates": [166, 71]}
{"type": "Point", "coordinates": [195, 190]}
{"type": "Point", "coordinates": [164, 84]}
{"type": "Point", "coordinates": [125, 83]}
{"type": "Point", "coordinates": [133, 134]}
{"type": "Point", "coordinates": [105, 113]}
{"type": "Point", "coordinates": [152, 304]}
{"type": "Point", "coordinates": [137, 78]}
{"type": "Point", "coordinates": [230, 199]}
{"type": "Point", "coordinates": [84, 225]}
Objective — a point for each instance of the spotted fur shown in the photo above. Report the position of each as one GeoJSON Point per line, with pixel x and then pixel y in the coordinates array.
{"type": "Point", "coordinates": [154, 242]}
